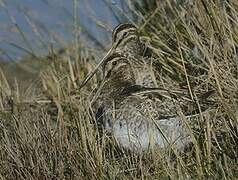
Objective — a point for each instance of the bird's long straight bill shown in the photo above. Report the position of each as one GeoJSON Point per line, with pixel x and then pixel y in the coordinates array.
{"type": "Point", "coordinates": [90, 75]}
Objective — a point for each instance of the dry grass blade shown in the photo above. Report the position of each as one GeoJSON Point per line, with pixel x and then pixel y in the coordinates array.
{"type": "Point", "coordinates": [50, 130]}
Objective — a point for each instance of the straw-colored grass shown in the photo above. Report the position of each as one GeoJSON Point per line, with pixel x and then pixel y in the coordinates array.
{"type": "Point", "coordinates": [50, 132]}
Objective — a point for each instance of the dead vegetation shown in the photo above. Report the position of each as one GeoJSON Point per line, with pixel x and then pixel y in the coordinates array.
{"type": "Point", "coordinates": [50, 132]}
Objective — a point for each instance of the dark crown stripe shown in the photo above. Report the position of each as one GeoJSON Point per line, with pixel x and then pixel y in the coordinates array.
{"type": "Point", "coordinates": [129, 30]}
{"type": "Point", "coordinates": [121, 27]}
{"type": "Point", "coordinates": [124, 40]}
{"type": "Point", "coordinates": [114, 56]}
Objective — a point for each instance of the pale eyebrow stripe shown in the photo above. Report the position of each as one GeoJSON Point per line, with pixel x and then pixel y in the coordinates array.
{"type": "Point", "coordinates": [128, 30]}
{"type": "Point", "coordinates": [124, 30]}
{"type": "Point", "coordinates": [124, 40]}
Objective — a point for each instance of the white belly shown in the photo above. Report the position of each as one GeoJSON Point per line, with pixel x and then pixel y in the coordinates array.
{"type": "Point", "coordinates": [141, 134]}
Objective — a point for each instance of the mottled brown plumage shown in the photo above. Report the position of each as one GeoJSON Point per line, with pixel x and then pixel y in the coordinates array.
{"type": "Point", "coordinates": [127, 40]}
{"type": "Point", "coordinates": [131, 107]}
{"type": "Point", "coordinates": [138, 117]}
{"type": "Point", "coordinates": [128, 44]}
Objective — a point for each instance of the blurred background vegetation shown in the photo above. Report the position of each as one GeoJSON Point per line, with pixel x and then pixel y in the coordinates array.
{"type": "Point", "coordinates": [47, 126]}
{"type": "Point", "coordinates": [32, 30]}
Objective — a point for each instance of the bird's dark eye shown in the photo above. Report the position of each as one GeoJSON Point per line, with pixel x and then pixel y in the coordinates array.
{"type": "Point", "coordinates": [125, 33]}
{"type": "Point", "coordinates": [114, 63]}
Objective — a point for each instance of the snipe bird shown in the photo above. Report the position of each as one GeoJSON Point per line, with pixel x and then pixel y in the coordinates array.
{"type": "Point", "coordinates": [138, 117]}
{"type": "Point", "coordinates": [126, 42]}
{"type": "Point", "coordinates": [130, 108]}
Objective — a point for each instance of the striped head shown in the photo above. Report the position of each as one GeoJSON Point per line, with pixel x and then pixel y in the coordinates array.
{"type": "Point", "coordinates": [125, 41]}
{"type": "Point", "coordinates": [123, 34]}
{"type": "Point", "coordinates": [118, 68]}
{"type": "Point", "coordinates": [118, 74]}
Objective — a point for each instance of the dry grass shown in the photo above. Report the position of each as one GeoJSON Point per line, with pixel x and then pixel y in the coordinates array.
{"type": "Point", "coordinates": [50, 132]}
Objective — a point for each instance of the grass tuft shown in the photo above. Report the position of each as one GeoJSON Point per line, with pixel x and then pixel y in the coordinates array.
{"type": "Point", "coordinates": [49, 131]}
